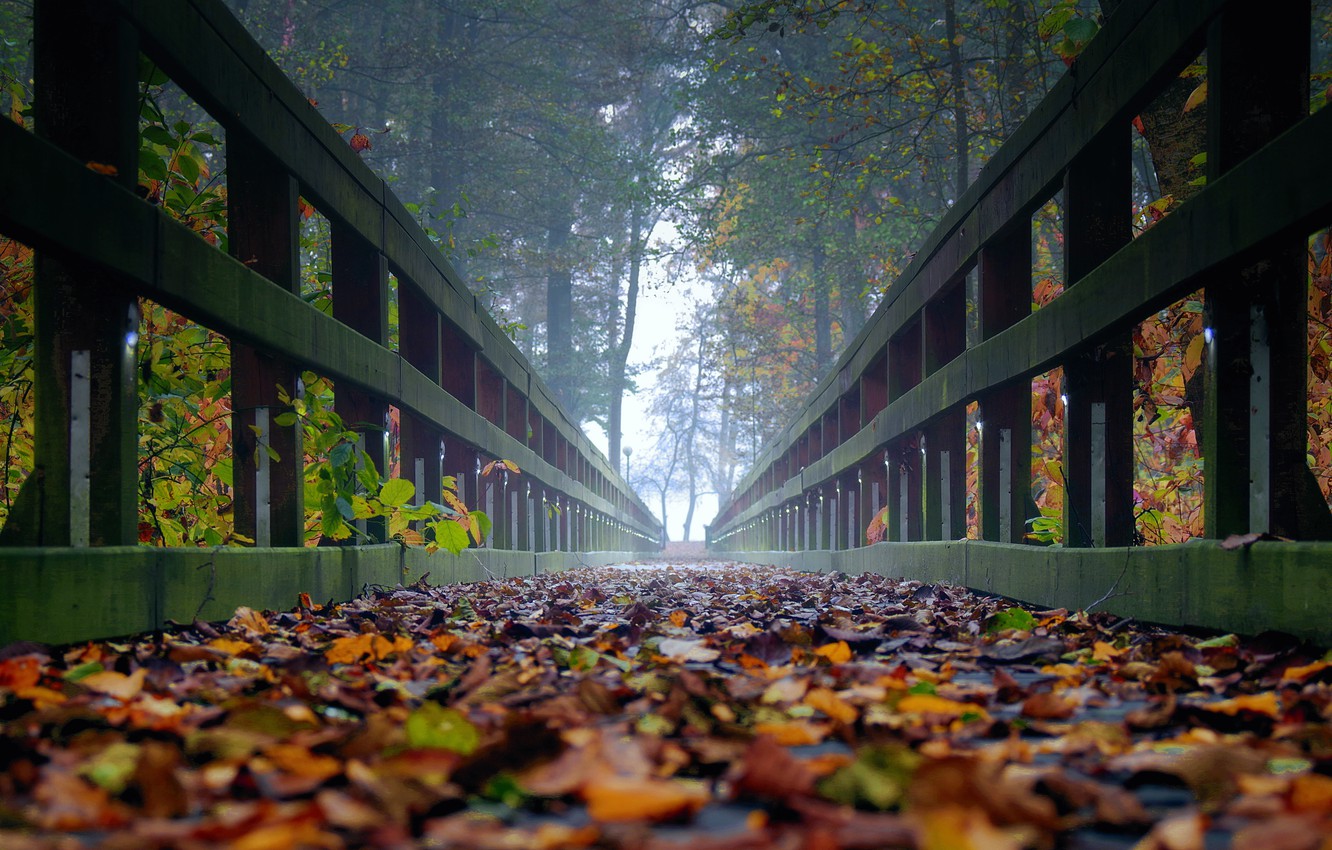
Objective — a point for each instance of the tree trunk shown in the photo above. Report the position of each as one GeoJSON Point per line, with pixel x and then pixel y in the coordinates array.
{"type": "Point", "coordinates": [961, 135]}
{"type": "Point", "coordinates": [619, 352]}
{"type": "Point", "coordinates": [559, 314]}
{"type": "Point", "coordinates": [822, 312]}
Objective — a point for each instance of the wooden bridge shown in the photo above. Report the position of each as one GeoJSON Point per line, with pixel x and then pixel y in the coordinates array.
{"type": "Point", "coordinates": [886, 429]}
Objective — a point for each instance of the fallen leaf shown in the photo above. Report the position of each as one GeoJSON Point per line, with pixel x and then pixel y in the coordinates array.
{"type": "Point", "coordinates": [115, 684]}
{"type": "Point", "coordinates": [618, 798]}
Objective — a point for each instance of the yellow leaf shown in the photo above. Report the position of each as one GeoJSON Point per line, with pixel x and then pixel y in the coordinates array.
{"type": "Point", "coordinates": [41, 697]}
{"type": "Point", "coordinates": [1197, 97]}
{"type": "Point", "coordinates": [930, 704]}
{"type": "Point", "coordinates": [837, 653]}
{"type": "Point", "coordinates": [1193, 356]}
{"type": "Point", "coordinates": [679, 617]}
{"type": "Point", "coordinates": [827, 701]}
{"type": "Point", "coordinates": [231, 646]}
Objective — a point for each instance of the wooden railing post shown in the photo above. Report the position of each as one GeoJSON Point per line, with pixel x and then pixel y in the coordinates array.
{"type": "Point", "coordinates": [262, 234]}
{"type": "Point", "coordinates": [1098, 383]}
{"type": "Point", "coordinates": [360, 301]}
{"type": "Point", "coordinates": [83, 489]}
{"type": "Point", "coordinates": [1005, 479]}
{"type": "Point", "coordinates": [945, 337]}
{"type": "Point", "coordinates": [905, 497]}
{"type": "Point", "coordinates": [420, 444]}
{"type": "Point", "coordinates": [1254, 431]}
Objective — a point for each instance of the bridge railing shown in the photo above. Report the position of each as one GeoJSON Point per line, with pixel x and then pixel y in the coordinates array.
{"type": "Point", "coordinates": [464, 393]}
{"type": "Point", "coordinates": [889, 426]}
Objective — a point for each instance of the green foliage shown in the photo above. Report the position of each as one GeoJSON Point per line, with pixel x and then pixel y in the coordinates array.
{"type": "Point", "coordinates": [1010, 618]}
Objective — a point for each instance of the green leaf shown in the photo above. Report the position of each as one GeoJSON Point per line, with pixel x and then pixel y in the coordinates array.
{"type": "Point", "coordinates": [1013, 618]}
{"type": "Point", "coordinates": [1080, 30]}
{"type": "Point", "coordinates": [1218, 642]}
{"type": "Point", "coordinates": [396, 492]}
{"type": "Point", "coordinates": [450, 536]}
{"type": "Point", "coordinates": [159, 135]}
{"type": "Point", "coordinates": [345, 508]}
{"type": "Point", "coordinates": [83, 671]}
{"type": "Point", "coordinates": [188, 167]}
{"type": "Point", "coordinates": [285, 419]}
{"type": "Point", "coordinates": [878, 777]}
{"type": "Point", "coordinates": [432, 726]}
{"type": "Point", "coordinates": [151, 165]}
{"type": "Point", "coordinates": [483, 524]}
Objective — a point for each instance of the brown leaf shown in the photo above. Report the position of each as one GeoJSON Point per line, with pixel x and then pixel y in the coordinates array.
{"type": "Point", "coordinates": [767, 769]}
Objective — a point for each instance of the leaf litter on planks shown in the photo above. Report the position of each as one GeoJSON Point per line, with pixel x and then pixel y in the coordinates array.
{"type": "Point", "coordinates": [725, 707]}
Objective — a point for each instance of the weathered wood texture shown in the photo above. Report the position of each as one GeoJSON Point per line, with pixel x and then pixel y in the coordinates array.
{"type": "Point", "coordinates": [1267, 586]}
{"type": "Point", "coordinates": [278, 148]}
{"type": "Point", "coordinates": [58, 596]}
{"type": "Point", "coordinates": [1241, 239]}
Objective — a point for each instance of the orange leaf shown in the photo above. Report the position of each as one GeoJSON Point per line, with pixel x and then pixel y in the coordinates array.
{"type": "Point", "coordinates": [349, 650]}
{"type": "Point", "coordinates": [837, 653]}
{"type": "Point", "coordinates": [827, 701]}
{"type": "Point", "coordinates": [1102, 651]}
{"type": "Point", "coordinates": [115, 684]}
{"type": "Point", "coordinates": [102, 168]}
{"type": "Point", "coordinates": [931, 704]}
{"type": "Point", "coordinates": [619, 798]}
{"type": "Point", "coordinates": [679, 617]}
{"type": "Point", "coordinates": [1264, 703]}
{"type": "Point", "coordinates": [360, 142]}
{"type": "Point", "coordinates": [300, 761]}
{"type": "Point", "coordinates": [24, 672]}
{"type": "Point", "coordinates": [1311, 792]}
{"type": "Point", "coordinates": [795, 733]}
{"type": "Point", "coordinates": [1302, 674]}
{"type": "Point", "coordinates": [250, 620]}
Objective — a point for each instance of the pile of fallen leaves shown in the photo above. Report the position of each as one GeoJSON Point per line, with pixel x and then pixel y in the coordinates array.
{"type": "Point", "coordinates": [673, 707]}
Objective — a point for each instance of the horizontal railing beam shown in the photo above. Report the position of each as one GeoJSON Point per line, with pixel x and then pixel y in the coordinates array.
{"type": "Point", "coordinates": [164, 260]}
